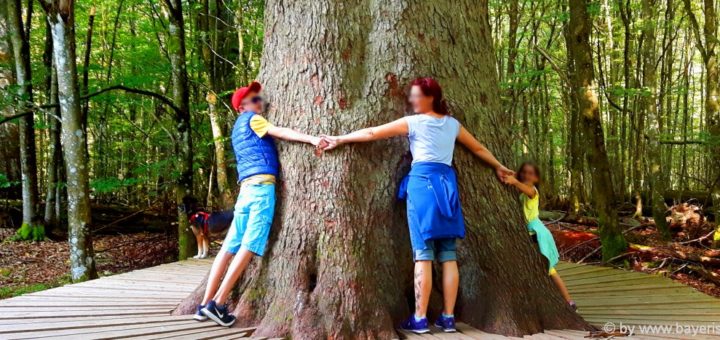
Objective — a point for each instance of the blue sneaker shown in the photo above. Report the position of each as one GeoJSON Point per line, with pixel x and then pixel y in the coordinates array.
{"type": "Point", "coordinates": [219, 314]}
{"type": "Point", "coordinates": [199, 316]}
{"type": "Point", "coordinates": [446, 323]}
{"type": "Point", "coordinates": [416, 326]}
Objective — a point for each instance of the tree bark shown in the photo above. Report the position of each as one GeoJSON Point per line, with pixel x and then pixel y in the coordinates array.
{"type": "Point", "coordinates": [32, 227]}
{"type": "Point", "coordinates": [339, 263]}
{"type": "Point", "coordinates": [585, 91]}
{"type": "Point", "coordinates": [55, 161]}
{"type": "Point", "coordinates": [654, 165]}
{"type": "Point", "coordinates": [181, 98]}
{"type": "Point", "coordinates": [61, 16]}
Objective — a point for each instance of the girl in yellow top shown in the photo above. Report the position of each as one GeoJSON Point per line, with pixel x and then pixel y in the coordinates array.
{"type": "Point", "coordinates": [527, 178]}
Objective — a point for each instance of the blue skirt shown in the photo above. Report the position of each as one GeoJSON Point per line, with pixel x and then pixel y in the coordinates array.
{"type": "Point", "coordinates": [433, 201]}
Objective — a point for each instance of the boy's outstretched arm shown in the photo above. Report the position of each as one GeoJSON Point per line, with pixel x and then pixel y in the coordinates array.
{"type": "Point", "coordinates": [292, 135]}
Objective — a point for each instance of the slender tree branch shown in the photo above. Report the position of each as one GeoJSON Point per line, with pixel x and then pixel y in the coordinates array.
{"type": "Point", "coordinates": [696, 29]}
{"type": "Point", "coordinates": [163, 99]}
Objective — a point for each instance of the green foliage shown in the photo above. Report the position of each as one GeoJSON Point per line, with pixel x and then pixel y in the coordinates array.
{"type": "Point", "coordinates": [112, 184]}
{"type": "Point", "coordinates": [6, 183]}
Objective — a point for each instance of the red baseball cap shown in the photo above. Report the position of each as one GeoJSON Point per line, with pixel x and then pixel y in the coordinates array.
{"type": "Point", "coordinates": [242, 92]}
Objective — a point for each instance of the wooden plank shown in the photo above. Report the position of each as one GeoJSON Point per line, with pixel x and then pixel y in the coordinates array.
{"type": "Point", "coordinates": [98, 292]}
{"type": "Point", "coordinates": [585, 270]}
{"type": "Point", "coordinates": [648, 312]}
{"type": "Point", "coordinates": [153, 330]}
{"type": "Point", "coordinates": [566, 335]}
{"type": "Point", "coordinates": [439, 333]}
{"type": "Point", "coordinates": [686, 297]}
{"type": "Point", "coordinates": [142, 288]}
{"type": "Point", "coordinates": [81, 332]}
{"type": "Point", "coordinates": [640, 321]}
{"type": "Point", "coordinates": [78, 308]}
{"type": "Point", "coordinates": [4, 323]}
{"type": "Point", "coordinates": [478, 334]}
{"type": "Point", "coordinates": [44, 303]}
{"type": "Point", "coordinates": [50, 315]}
{"type": "Point", "coordinates": [31, 297]}
{"type": "Point", "coordinates": [616, 279]}
{"type": "Point", "coordinates": [51, 325]}
{"type": "Point", "coordinates": [413, 336]}
{"type": "Point", "coordinates": [149, 283]}
{"type": "Point", "coordinates": [199, 334]}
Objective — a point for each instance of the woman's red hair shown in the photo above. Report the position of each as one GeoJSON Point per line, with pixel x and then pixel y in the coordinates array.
{"type": "Point", "coordinates": [431, 88]}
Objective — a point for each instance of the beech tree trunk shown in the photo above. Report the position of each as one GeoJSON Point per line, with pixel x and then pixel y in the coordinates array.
{"type": "Point", "coordinates": [339, 263]}
{"type": "Point", "coordinates": [61, 16]}
{"type": "Point", "coordinates": [54, 164]}
{"type": "Point", "coordinates": [653, 160]}
{"type": "Point", "coordinates": [585, 92]}
{"type": "Point", "coordinates": [181, 98]}
{"type": "Point", "coordinates": [32, 227]}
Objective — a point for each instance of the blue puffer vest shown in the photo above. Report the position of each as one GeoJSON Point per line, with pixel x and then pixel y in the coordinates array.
{"type": "Point", "coordinates": [254, 155]}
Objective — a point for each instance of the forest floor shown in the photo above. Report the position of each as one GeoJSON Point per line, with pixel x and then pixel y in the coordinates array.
{"type": "Point", "coordinates": [27, 267]}
{"type": "Point", "coordinates": [687, 259]}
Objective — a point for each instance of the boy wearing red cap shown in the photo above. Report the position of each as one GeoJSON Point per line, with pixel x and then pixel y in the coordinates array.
{"type": "Point", "coordinates": [258, 167]}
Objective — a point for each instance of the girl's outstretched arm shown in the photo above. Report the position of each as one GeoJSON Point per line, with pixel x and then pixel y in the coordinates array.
{"type": "Point", "coordinates": [392, 129]}
{"type": "Point", "coordinates": [527, 190]}
{"type": "Point", "coordinates": [465, 138]}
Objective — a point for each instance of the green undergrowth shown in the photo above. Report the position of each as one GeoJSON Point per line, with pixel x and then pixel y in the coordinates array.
{"type": "Point", "coordinates": [13, 291]}
{"type": "Point", "coordinates": [30, 232]}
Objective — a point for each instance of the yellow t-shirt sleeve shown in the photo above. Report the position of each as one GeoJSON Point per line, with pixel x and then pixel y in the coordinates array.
{"type": "Point", "coordinates": [260, 125]}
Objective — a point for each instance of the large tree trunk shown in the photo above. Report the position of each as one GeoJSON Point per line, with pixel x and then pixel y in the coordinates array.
{"type": "Point", "coordinates": [653, 160]}
{"type": "Point", "coordinates": [585, 91]}
{"type": "Point", "coordinates": [181, 98]}
{"type": "Point", "coordinates": [61, 16]}
{"type": "Point", "coordinates": [708, 50]}
{"type": "Point", "coordinates": [32, 227]}
{"type": "Point", "coordinates": [339, 262]}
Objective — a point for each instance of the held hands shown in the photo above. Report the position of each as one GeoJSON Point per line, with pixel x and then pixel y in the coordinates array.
{"type": "Point", "coordinates": [320, 144]}
{"type": "Point", "coordinates": [324, 143]}
{"type": "Point", "coordinates": [331, 142]}
{"type": "Point", "coordinates": [504, 174]}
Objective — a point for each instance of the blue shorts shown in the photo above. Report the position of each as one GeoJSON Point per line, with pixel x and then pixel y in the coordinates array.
{"type": "Point", "coordinates": [253, 217]}
{"type": "Point", "coordinates": [444, 249]}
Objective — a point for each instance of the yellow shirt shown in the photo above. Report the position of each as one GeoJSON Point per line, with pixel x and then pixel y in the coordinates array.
{"type": "Point", "coordinates": [260, 126]}
{"type": "Point", "coordinates": [531, 206]}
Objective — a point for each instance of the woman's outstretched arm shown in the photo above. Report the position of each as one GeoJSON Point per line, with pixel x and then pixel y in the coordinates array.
{"type": "Point", "coordinates": [395, 128]}
{"type": "Point", "coordinates": [465, 138]}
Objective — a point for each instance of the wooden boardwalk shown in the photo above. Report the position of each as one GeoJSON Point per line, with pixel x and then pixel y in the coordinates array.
{"type": "Point", "coordinates": [137, 305]}
{"type": "Point", "coordinates": [133, 305]}
{"type": "Point", "coordinates": [651, 307]}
